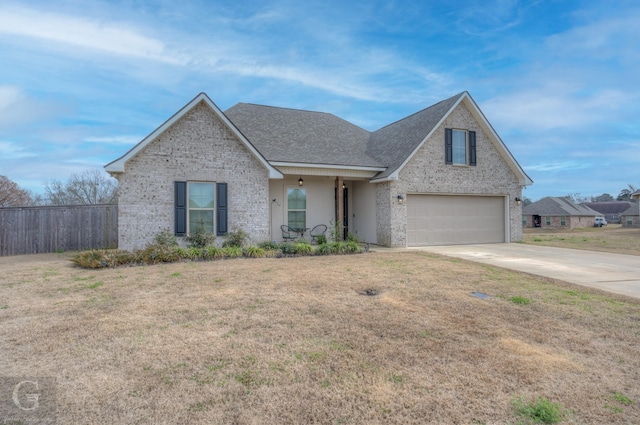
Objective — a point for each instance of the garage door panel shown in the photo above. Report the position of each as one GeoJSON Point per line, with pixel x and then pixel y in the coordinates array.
{"type": "Point", "coordinates": [449, 220]}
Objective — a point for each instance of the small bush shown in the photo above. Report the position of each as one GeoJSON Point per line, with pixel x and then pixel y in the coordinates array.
{"type": "Point", "coordinates": [154, 254]}
{"type": "Point", "coordinates": [323, 249]}
{"type": "Point", "coordinates": [321, 239]}
{"type": "Point", "coordinates": [268, 245]}
{"type": "Point", "coordinates": [194, 253]}
{"type": "Point", "coordinates": [232, 252]}
{"type": "Point", "coordinates": [254, 252]}
{"type": "Point", "coordinates": [166, 238]}
{"type": "Point", "coordinates": [237, 238]}
{"type": "Point", "coordinates": [351, 238]}
{"type": "Point", "coordinates": [199, 238]}
{"type": "Point", "coordinates": [288, 248]}
{"type": "Point", "coordinates": [181, 252]}
{"type": "Point", "coordinates": [212, 252]}
{"type": "Point", "coordinates": [540, 410]}
{"type": "Point", "coordinates": [303, 248]}
{"type": "Point", "coordinates": [101, 258]}
{"type": "Point", "coordinates": [352, 246]}
{"type": "Point", "coordinates": [338, 247]}
{"type": "Point", "coordinates": [335, 230]}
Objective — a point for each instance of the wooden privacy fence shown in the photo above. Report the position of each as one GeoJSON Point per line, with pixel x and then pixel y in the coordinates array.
{"type": "Point", "coordinates": [30, 230]}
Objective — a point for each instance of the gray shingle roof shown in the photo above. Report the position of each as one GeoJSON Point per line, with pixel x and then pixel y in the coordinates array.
{"type": "Point", "coordinates": [555, 206]}
{"type": "Point", "coordinates": [395, 142]}
{"type": "Point", "coordinates": [292, 135]}
{"type": "Point", "coordinates": [633, 210]}
{"type": "Point", "coordinates": [611, 207]}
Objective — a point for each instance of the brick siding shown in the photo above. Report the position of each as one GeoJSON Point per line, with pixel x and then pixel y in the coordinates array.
{"type": "Point", "coordinates": [198, 147]}
{"type": "Point", "coordinates": [427, 172]}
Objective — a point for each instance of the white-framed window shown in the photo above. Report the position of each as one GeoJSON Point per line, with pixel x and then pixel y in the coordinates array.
{"type": "Point", "coordinates": [459, 146]}
{"type": "Point", "coordinates": [629, 220]}
{"type": "Point", "coordinates": [548, 221]}
{"type": "Point", "coordinates": [201, 206]}
{"type": "Point", "coordinates": [524, 221]}
{"type": "Point", "coordinates": [563, 221]}
{"type": "Point", "coordinates": [297, 207]}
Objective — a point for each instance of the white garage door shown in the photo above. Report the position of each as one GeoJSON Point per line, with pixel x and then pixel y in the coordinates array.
{"type": "Point", "coordinates": [454, 220]}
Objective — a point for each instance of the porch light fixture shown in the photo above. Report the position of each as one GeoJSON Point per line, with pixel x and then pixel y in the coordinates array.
{"type": "Point", "coordinates": [518, 200]}
{"type": "Point", "coordinates": [300, 181]}
{"type": "Point", "coordinates": [344, 185]}
{"type": "Point", "coordinates": [400, 199]}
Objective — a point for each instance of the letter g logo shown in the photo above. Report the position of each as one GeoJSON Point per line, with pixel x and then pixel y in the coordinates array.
{"type": "Point", "coordinates": [31, 398]}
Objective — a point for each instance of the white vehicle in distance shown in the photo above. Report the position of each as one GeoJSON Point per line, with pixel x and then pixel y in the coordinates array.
{"type": "Point", "coordinates": [600, 221]}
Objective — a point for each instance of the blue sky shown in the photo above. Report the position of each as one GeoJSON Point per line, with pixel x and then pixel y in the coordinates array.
{"type": "Point", "coordinates": [82, 81]}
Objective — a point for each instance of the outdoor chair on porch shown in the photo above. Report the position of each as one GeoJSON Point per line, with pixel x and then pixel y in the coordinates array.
{"type": "Point", "coordinates": [288, 233]}
{"type": "Point", "coordinates": [317, 231]}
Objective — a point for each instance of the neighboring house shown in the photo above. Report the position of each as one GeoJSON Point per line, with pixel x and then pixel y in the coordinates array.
{"type": "Point", "coordinates": [557, 212]}
{"type": "Point", "coordinates": [635, 195]}
{"type": "Point", "coordinates": [610, 210]}
{"type": "Point", "coordinates": [631, 217]}
{"type": "Point", "coordinates": [439, 176]}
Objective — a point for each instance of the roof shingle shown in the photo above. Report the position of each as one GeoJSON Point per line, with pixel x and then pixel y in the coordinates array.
{"type": "Point", "coordinates": [297, 136]}
{"type": "Point", "coordinates": [558, 206]}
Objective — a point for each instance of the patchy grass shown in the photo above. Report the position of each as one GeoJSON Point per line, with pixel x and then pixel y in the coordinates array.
{"type": "Point", "coordinates": [612, 238]}
{"type": "Point", "coordinates": [305, 340]}
{"type": "Point", "coordinates": [539, 411]}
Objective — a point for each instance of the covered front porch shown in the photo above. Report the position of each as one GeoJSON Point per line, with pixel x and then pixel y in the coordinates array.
{"type": "Point", "coordinates": [307, 197]}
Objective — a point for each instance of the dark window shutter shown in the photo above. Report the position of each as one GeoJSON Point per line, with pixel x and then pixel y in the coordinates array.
{"type": "Point", "coordinates": [180, 208]}
{"type": "Point", "coordinates": [221, 209]}
{"type": "Point", "coordinates": [448, 146]}
{"type": "Point", "coordinates": [472, 148]}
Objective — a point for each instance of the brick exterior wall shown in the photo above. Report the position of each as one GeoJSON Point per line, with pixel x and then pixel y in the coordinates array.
{"type": "Point", "coordinates": [571, 222]}
{"type": "Point", "coordinates": [427, 173]}
{"type": "Point", "coordinates": [635, 220]}
{"type": "Point", "coordinates": [198, 147]}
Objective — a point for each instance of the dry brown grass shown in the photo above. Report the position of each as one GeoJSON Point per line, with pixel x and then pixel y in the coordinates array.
{"type": "Point", "coordinates": [612, 238]}
{"type": "Point", "coordinates": [292, 341]}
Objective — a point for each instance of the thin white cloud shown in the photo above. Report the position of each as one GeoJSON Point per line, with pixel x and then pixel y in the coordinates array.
{"type": "Point", "coordinates": [562, 166]}
{"type": "Point", "coordinates": [17, 108]}
{"type": "Point", "coordinates": [553, 107]}
{"type": "Point", "coordinates": [115, 140]}
{"type": "Point", "coordinates": [93, 34]}
{"type": "Point", "coordinates": [12, 150]}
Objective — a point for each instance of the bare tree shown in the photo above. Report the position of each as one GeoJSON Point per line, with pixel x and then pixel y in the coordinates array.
{"type": "Point", "coordinates": [11, 195]}
{"type": "Point", "coordinates": [90, 187]}
{"type": "Point", "coordinates": [625, 194]}
{"type": "Point", "coordinates": [577, 198]}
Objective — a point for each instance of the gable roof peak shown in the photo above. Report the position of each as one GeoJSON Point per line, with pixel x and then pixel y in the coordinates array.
{"type": "Point", "coordinates": [435, 105]}
{"type": "Point", "coordinates": [118, 166]}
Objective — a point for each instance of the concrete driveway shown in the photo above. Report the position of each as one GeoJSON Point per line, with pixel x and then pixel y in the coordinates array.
{"type": "Point", "coordinates": [616, 273]}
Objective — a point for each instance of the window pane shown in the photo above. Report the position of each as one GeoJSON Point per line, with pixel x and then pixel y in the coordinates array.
{"type": "Point", "coordinates": [201, 218]}
{"type": "Point", "coordinates": [200, 195]}
{"type": "Point", "coordinates": [297, 219]}
{"type": "Point", "coordinates": [459, 147]}
{"type": "Point", "coordinates": [297, 199]}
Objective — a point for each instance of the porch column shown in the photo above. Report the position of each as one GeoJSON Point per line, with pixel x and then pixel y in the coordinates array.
{"type": "Point", "coordinates": [339, 201]}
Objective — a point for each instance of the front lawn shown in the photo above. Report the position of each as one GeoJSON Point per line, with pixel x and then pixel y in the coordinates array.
{"type": "Point", "coordinates": [386, 338]}
{"type": "Point", "coordinates": [612, 238]}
